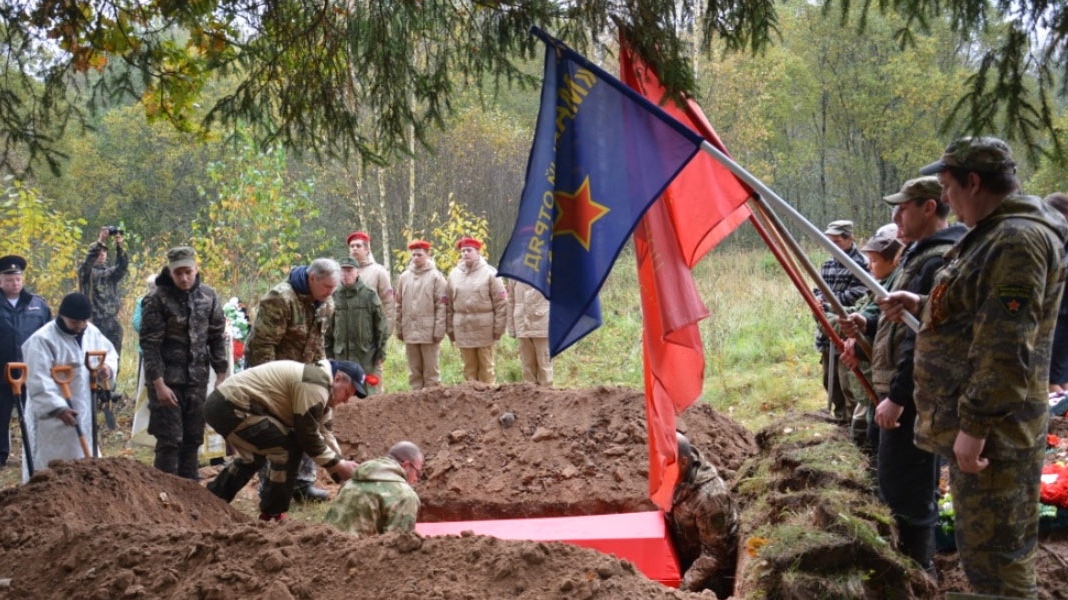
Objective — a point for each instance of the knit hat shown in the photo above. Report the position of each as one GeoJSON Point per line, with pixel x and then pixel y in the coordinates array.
{"type": "Point", "coordinates": [76, 306]}
{"type": "Point", "coordinates": [355, 373]}
{"type": "Point", "coordinates": [358, 235]}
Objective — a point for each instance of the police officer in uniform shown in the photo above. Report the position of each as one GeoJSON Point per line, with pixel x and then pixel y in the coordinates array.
{"type": "Point", "coordinates": [22, 314]}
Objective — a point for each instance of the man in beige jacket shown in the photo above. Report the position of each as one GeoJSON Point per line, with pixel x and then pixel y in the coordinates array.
{"type": "Point", "coordinates": [476, 314]}
{"type": "Point", "coordinates": [528, 322]}
{"type": "Point", "coordinates": [420, 318]}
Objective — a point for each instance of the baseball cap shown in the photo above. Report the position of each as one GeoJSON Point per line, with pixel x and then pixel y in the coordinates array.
{"type": "Point", "coordinates": [982, 154]}
{"type": "Point", "coordinates": [884, 240]}
{"type": "Point", "coordinates": [182, 256]}
{"type": "Point", "coordinates": [842, 227]}
{"type": "Point", "coordinates": [920, 188]}
{"type": "Point", "coordinates": [355, 373]}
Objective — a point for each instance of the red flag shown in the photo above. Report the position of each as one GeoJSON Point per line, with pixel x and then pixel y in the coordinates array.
{"type": "Point", "coordinates": [700, 207]}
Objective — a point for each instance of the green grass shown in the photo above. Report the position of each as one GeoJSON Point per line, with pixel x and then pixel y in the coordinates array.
{"type": "Point", "coordinates": [760, 360]}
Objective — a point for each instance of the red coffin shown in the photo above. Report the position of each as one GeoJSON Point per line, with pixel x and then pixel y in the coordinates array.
{"type": "Point", "coordinates": [640, 538]}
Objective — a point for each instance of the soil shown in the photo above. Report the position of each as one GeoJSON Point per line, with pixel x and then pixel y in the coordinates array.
{"type": "Point", "coordinates": [116, 528]}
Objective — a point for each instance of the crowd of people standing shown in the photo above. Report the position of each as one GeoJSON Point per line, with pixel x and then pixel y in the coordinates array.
{"type": "Point", "coordinates": [968, 391]}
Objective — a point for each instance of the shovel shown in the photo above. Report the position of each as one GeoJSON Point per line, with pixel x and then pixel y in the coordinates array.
{"type": "Point", "coordinates": [20, 404]}
{"type": "Point", "coordinates": [100, 387]}
{"type": "Point", "coordinates": [63, 375]}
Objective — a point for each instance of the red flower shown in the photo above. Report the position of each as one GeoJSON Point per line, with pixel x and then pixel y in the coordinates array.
{"type": "Point", "coordinates": [1052, 440]}
{"type": "Point", "coordinates": [239, 349]}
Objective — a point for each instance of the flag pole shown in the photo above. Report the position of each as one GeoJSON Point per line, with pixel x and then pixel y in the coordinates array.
{"type": "Point", "coordinates": [767, 194]}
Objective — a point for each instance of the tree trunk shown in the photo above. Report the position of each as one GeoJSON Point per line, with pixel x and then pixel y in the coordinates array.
{"type": "Point", "coordinates": [384, 259]}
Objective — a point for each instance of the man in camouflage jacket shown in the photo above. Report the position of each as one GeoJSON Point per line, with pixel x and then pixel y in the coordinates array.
{"type": "Point", "coordinates": [379, 497]}
{"type": "Point", "coordinates": [100, 282]}
{"type": "Point", "coordinates": [982, 360]}
{"type": "Point", "coordinates": [703, 523]}
{"type": "Point", "coordinates": [290, 324]}
{"type": "Point", "coordinates": [183, 334]}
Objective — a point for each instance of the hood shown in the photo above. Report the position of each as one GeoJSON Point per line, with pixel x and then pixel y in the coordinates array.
{"type": "Point", "coordinates": [430, 265]}
{"type": "Point", "coordinates": [478, 265]}
{"type": "Point", "coordinates": [370, 260]}
{"type": "Point", "coordinates": [1033, 208]}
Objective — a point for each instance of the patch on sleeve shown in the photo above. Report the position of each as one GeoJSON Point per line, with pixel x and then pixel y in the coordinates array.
{"type": "Point", "coordinates": [1014, 297]}
{"type": "Point", "coordinates": [315, 374]}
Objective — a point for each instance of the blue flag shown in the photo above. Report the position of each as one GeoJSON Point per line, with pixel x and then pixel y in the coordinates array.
{"type": "Point", "coordinates": [601, 155]}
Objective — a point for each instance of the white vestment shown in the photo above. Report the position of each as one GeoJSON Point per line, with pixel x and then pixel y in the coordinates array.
{"type": "Point", "coordinates": [48, 437]}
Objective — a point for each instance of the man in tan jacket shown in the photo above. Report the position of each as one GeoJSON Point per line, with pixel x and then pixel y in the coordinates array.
{"type": "Point", "coordinates": [528, 322]}
{"type": "Point", "coordinates": [476, 314]}
{"type": "Point", "coordinates": [420, 318]}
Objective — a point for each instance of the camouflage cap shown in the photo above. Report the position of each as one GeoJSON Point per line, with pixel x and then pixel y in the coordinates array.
{"type": "Point", "coordinates": [182, 256]}
{"type": "Point", "coordinates": [349, 262]}
{"type": "Point", "coordinates": [842, 227]}
{"type": "Point", "coordinates": [920, 188]}
{"type": "Point", "coordinates": [981, 154]}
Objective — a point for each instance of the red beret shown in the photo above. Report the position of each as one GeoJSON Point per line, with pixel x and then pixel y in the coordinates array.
{"type": "Point", "coordinates": [419, 245]}
{"type": "Point", "coordinates": [469, 242]}
{"type": "Point", "coordinates": [358, 235]}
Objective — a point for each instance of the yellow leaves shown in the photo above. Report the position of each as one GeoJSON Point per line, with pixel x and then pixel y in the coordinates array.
{"type": "Point", "coordinates": [754, 544]}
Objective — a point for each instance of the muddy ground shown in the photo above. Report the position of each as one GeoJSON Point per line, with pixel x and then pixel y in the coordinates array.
{"type": "Point", "coordinates": [115, 528]}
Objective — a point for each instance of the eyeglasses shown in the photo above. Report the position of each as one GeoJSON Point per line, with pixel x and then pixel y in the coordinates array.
{"type": "Point", "coordinates": [418, 470]}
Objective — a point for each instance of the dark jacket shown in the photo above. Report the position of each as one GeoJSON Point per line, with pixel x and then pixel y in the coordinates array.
{"type": "Point", "coordinates": [182, 333]}
{"type": "Point", "coordinates": [17, 323]}
{"type": "Point", "coordinates": [101, 282]}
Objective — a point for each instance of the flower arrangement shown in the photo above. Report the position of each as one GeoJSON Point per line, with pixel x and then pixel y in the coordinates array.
{"type": "Point", "coordinates": [237, 328]}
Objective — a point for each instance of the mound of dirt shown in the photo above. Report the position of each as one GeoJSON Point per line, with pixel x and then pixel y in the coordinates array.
{"type": "Point", "coordinates": [115, 527]}
{"type": "Point", "coordinates": [565, 453]}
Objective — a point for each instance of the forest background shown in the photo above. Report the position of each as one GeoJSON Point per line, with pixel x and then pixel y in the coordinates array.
{"type": "Point", "coordinates": [829, 119]}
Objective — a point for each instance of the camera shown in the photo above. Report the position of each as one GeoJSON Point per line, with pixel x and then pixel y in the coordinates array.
{"type": "Point", "coordinates": [114, 230]}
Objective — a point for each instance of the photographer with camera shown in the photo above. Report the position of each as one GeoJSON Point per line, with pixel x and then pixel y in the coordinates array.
{"type": "Point", "coordinates": [100, 282]}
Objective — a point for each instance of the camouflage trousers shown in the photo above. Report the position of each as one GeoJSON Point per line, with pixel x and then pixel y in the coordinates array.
{"type": "Point", "coordinates": [256, 439]}
{"type": "Point", "coordinates": [179, 431]}
{"type": "Point", "coordinates": [997, 525]}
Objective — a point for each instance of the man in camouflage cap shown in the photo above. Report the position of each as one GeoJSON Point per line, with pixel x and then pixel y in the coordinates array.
{"type": "Point", "coordinates": [183, 334]}
{"type": "Point", "coordinates": [982, 360]}
{"type": "Point", "coordinates": [908, 475]}
{"type": "Point", "coordinates": [379, 497]}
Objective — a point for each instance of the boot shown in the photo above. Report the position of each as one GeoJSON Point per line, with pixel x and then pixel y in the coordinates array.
{"type": "Point", "coordinates": [918, 543]}
{"type": "Point", "coordinates": [232, 478]}
{"type": "Point", "coordinates": [305, 491]}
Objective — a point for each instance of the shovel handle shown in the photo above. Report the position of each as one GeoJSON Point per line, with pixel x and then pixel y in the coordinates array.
{"type": "Point", "coordinates": [63, 375]}
{"type": "Point", "coordinates": [15, 382]}
{"type": "Point", "coordinates": [94, 361]}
